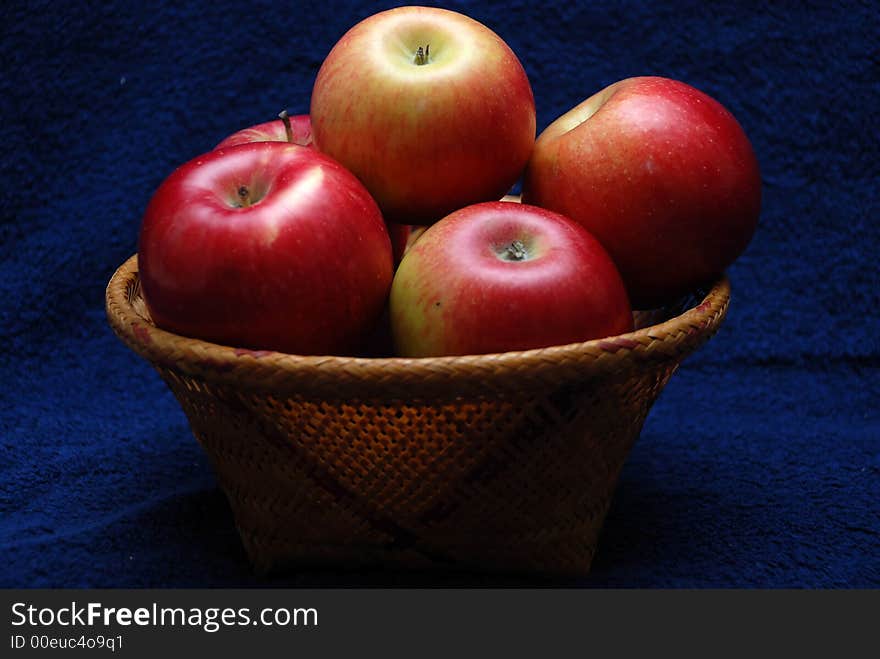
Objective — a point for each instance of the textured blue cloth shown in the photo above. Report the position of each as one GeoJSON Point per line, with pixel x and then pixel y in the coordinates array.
{"type": "Point", "coordinates": [759, 465]}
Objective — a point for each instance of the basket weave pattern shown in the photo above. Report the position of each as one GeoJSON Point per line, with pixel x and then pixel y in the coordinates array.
{"type": "Point", "coordinates": [502, 461]}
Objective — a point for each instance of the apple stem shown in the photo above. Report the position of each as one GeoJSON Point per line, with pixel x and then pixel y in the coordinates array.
{"type": "Point", "coordinates": [422, 55]}
{"type": "Point", "coordinates": [244, 195]}
{"type": "Point", "coordinates": [287, 129]}
{"type": "Point", "coordinates": [516, 251]}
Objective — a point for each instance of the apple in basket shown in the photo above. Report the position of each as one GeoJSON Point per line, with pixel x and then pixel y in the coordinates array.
{"type": "Point", "coordinates": [265, 245]}
{"type": "Point", "coordinates": [429, 108]}
{"type": "Point", "coordinates": [661, 173]}
{"type": "Point", "coordinates": [295, 129]}
{"type": "Point", "coordinates": [499, 276]}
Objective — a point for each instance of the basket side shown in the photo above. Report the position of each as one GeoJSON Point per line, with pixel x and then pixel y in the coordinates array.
{"type": "Point", "coordinates": [518, 483]}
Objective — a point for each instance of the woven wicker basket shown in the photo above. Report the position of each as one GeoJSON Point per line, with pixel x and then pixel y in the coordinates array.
{"type": "Point", "coordinates": [503, 462]}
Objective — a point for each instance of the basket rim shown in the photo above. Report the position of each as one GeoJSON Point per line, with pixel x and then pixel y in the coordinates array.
{"type": "Point", "coordinates": [671, 339]}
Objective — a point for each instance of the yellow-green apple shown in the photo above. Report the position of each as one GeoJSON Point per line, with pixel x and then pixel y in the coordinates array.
{"type": "Point", "coordinates": [661, 173]}
{"type": "Point", "coordinates": [429, 108]}
{"type": "Point", "coordinates": [500, 276]}
{"type": "Point", "coordinates": [265, 245]}
{"type": "Point", "coordinates": [296, 129]}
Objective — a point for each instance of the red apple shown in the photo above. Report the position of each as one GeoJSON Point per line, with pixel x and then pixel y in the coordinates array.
{"type": "Point", "coordinates": [265, 246]}
{"type": "Point", "coordinates": [501, 276]}
{"type": "Point", "coordinates": [429, 108]}
{"type": "Point", "coordinates": [661, 174]}
{"type": "Point", "coordinates": [300, 132]}
{"type": "Point", "coordinates": [300, 129]}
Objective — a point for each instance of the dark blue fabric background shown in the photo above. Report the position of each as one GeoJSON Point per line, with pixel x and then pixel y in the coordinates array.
{"type": "Point", "coordinates": [758, 467]}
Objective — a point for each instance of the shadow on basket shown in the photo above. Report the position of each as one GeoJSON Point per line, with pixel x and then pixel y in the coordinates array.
{"type": "Point", "coordinates": [503, 462]}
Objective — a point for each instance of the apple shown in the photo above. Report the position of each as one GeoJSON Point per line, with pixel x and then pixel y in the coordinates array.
{"type": "Point", "coordinates": [430, 109]}
{"type": "Point", "coordinates": [662, 174]}
{"type": "Point", "coordinates": [267, 246]}
{"type": "Point", "coordinates": [296, 129]}
{"type": "Point", "coordinates": [500, 276]}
